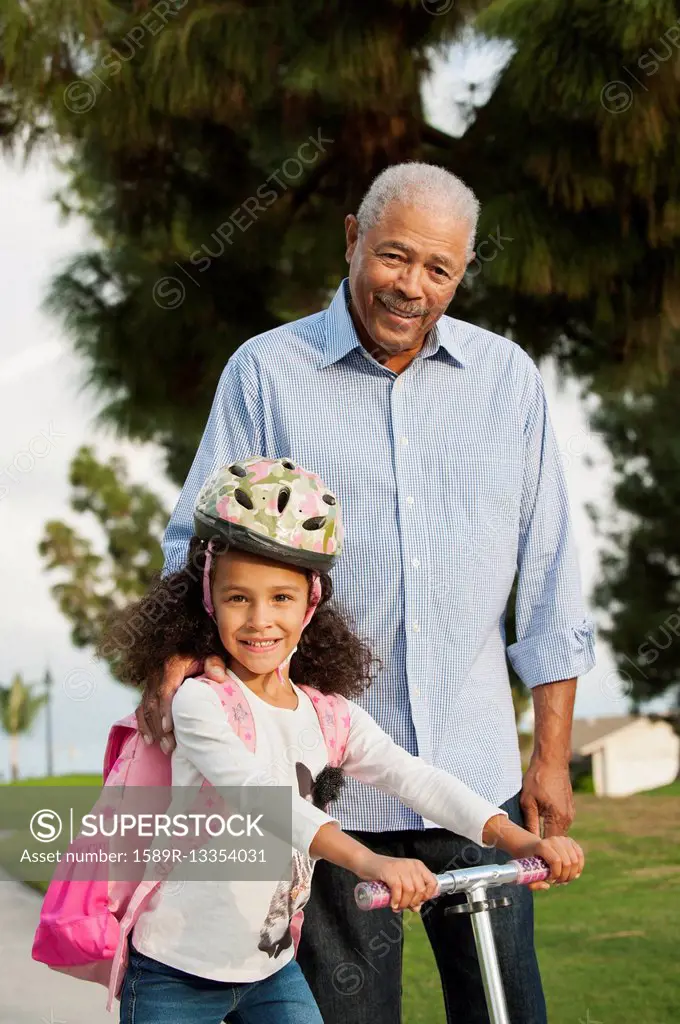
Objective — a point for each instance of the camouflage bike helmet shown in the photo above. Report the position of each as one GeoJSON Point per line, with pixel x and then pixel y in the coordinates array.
{"type": "Point", "coordinates": [273, 508]}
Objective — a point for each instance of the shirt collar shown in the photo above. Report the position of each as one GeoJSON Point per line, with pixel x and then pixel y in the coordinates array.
{"type": "Point", "coordinates": [341, 335]}
{"type": "Point", "coordinates": [342, 338]}
{"type": "Point", "coordinates": [448, 334]}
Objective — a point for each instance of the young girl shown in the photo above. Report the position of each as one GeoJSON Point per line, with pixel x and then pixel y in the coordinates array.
{"type": "Point", "coordinates": [255, 591]}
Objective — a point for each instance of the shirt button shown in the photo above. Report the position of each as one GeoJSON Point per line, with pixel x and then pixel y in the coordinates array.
{"type": "Point", "coordinates": [403, 441]}
{"type": "Point", "coordinates": [410, 499]}
{"type": "Point", "coordinates": [415, 562]}
{"type": "Point", "coordinates": [416, 627]}
{"type": "Point", "coordinates": [416, 690]}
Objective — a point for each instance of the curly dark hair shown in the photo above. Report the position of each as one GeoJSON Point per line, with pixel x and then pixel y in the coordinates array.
{"type": "Point", "coordinates": [170, 620]}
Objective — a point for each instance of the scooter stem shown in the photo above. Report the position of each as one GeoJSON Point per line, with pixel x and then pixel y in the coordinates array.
{"type": "Point", "coordinates": [488, 959]}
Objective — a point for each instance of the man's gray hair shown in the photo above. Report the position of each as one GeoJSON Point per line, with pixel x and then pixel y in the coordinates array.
{"type": "Point", "coordinates": [422, 185]}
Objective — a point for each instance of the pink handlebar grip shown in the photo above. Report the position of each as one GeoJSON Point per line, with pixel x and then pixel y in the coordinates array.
{"type": "Point", "coordinates": [531, 869]}
{"type": "Point", "coordinates": [372, 895]}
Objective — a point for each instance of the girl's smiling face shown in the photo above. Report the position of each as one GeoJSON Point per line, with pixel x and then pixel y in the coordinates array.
{"type": "Point", "coordinates": [260, 607]}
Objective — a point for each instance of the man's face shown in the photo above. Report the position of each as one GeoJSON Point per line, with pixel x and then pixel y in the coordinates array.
{"type": "Point", "coordinates": [403, 274]}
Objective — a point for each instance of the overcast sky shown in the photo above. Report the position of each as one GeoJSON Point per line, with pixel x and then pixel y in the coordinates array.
{"type": "Point", "coordinates": [44, 410]}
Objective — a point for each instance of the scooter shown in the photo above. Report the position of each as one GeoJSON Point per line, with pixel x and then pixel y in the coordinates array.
{"type": "Point", "coordinates": [474, 882]}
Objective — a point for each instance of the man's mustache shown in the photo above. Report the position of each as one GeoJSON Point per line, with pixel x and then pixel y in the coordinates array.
{"type": "Point", "coordinates": [394, 307]}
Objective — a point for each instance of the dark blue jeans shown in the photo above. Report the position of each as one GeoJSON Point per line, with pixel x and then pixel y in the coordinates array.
{"type": "Point", "coordinates": [353, 959]}
{"type": "Point", "coordinates": [154, 993]}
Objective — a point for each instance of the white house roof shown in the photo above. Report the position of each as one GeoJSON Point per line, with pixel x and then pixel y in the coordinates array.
{"type": "Point", "coordinates": [587, 731]}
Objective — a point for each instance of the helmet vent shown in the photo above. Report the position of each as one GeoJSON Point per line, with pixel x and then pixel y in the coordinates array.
{"type": "Point", "coordinates": [282, 501]}
{"type": "Point", "coordinates": [315, 523]}
{"type": "Point", "coordinates": [238, 471]}
{"type": "Point", "coordinates": [287, 464]}
{"type": "Point", "coordinates": [243, 499]}
{"type": "Point", "coordinates": [329, 499]}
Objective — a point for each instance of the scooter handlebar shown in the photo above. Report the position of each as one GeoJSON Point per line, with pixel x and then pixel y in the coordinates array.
{"type": "Point", "coordinates": [376, 895]}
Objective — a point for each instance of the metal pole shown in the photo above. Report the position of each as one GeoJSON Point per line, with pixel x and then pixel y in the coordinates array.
{"type": "Point", "coordinates": [488, 960]}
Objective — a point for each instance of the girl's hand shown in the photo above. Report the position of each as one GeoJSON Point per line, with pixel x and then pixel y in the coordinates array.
{"type": "Point", "coordinates": [410, 882]}
{"type": "Point", "coordinates": [563, 856]}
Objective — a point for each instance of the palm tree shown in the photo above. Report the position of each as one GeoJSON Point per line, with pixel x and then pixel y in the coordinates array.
{"type": "Point", "coordinates": [18, 709]}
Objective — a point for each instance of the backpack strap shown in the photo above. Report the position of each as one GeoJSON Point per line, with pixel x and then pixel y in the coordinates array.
{"type": "Point", "coordinates": [334, 719]}
{"type": "Point", "coordinates": [119, 733]}
{"type": "Point", "coordinates": [237, 710]}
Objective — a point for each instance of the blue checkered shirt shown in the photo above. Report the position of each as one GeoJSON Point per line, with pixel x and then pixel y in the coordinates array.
{"type": "Point", "coordinates": [450, 481]}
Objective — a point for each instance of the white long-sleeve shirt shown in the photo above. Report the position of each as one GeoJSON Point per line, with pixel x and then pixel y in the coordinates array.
{"type": "Point", "coordinates": [213, 929]}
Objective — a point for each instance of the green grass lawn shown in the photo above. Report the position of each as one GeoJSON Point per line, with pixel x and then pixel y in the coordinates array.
{"type": "Point", "coordinates": [671, 790]}
{"type": "Point", "coordinates": [608, 944]}
{"type": "Point", "coordinates": [60, 780]}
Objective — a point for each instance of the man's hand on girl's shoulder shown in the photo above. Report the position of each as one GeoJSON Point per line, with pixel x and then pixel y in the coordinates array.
{"type": "Point", "coordinates": [154, 714]}
{"type": "Point", "coordinates": [215, 668]}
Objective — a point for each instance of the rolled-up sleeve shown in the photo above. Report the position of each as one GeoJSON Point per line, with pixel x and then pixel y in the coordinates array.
{"type": "Point", "coordinates": [234, 431]}
{"type": "Point", "coordinates": [555, 638]}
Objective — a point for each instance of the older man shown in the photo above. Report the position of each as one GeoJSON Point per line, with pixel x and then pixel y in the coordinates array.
{"type": "Point", "coordinates": [436, 436]}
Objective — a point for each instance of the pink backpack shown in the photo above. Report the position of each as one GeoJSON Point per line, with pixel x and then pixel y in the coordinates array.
{"type": "Point", "coordinates": [84, 925]}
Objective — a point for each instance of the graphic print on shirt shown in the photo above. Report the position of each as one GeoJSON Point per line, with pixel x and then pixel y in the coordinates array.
{"type": "Point", "coordinates": [289, 896]}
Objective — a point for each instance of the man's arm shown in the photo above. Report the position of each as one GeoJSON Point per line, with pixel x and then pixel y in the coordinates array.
{"type": "Point", "coordinates": [554, 638]}
{"type": "Point", "coordinates": [546, 790]}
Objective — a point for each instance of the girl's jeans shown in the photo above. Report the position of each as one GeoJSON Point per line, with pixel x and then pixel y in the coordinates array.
{"type": "Point", "coordinates": [154, 993]}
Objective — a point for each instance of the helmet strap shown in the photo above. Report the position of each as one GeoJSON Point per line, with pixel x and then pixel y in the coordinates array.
{"type": "Point", "coordinates": [314, 598]}
{"type": "Point", "coordinates": [207, 597]}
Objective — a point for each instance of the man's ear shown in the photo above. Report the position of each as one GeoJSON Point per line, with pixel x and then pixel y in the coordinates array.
{"type": "Point", "coordinates": [351, 235]}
